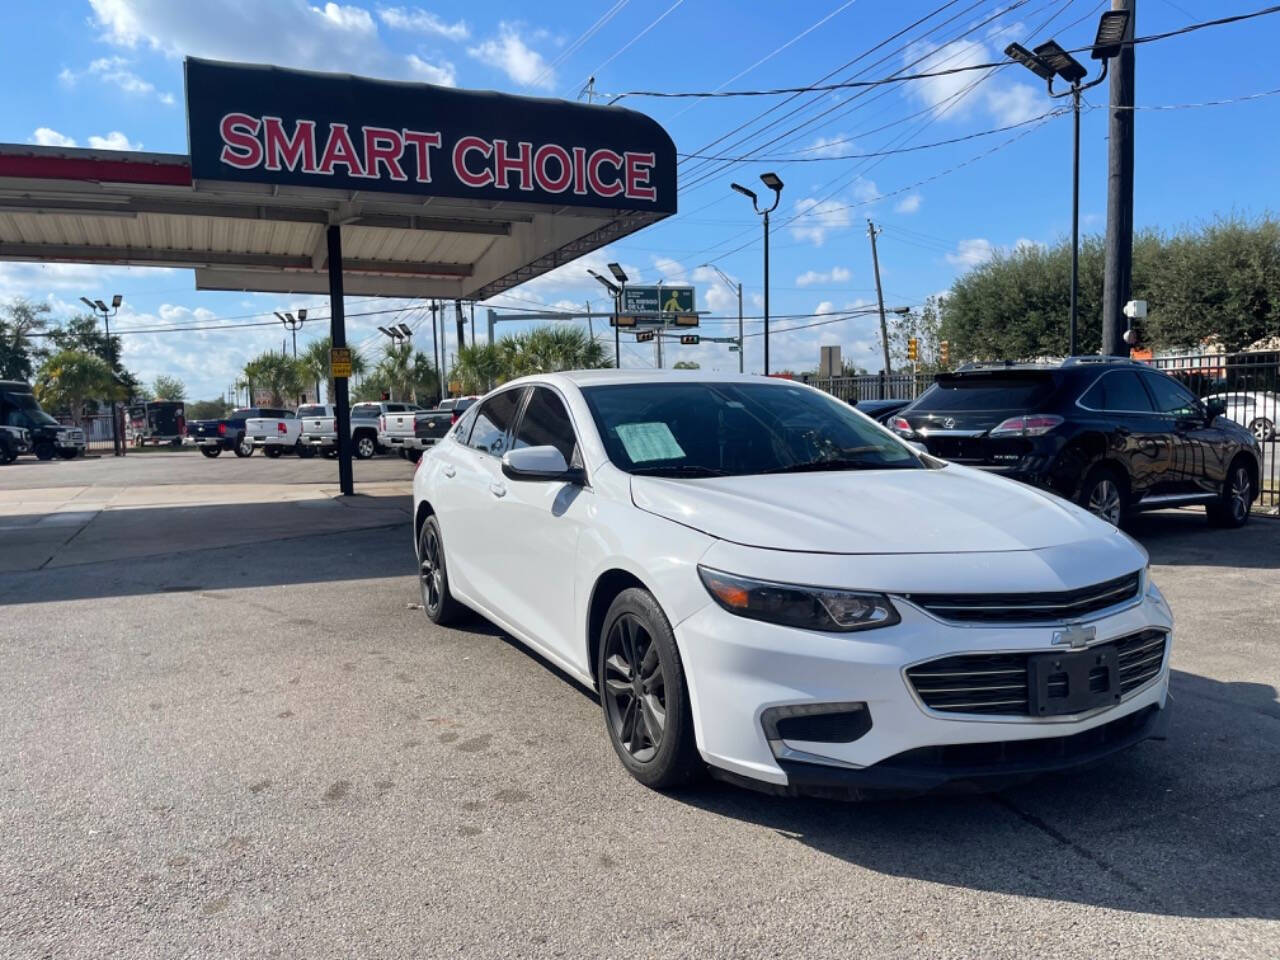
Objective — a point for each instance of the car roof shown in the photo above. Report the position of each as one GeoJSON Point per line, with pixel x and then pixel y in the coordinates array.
{"type": "Point", "coordinates": [613, 376]}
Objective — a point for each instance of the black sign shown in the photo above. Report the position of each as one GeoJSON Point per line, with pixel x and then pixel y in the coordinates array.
{"type": "Point", "coordinates": [260, 124]}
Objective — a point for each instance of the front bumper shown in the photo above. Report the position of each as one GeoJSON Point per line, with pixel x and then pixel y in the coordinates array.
{"type": "Point", "coordinates": [737, 669]}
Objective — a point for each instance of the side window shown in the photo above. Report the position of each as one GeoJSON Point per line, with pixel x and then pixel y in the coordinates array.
{"type": "Point", "coordinates": [493, 421]}
{"type": "Point", "coordinates": [462, 430]}
{"type": "Point", "coordinates": [1171, 397]}
{"type": "Point", "coordinates": [1117, 392]}
{"type": "Point", "coordinates": [546, 423]}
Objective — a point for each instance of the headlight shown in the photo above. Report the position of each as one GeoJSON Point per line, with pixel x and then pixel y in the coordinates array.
{"type": "Point", "coordinates": [791, 605]}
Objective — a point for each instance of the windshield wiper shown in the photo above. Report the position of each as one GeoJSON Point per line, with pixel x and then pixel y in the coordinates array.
{"type": "Point", "coordinates": [679, 470]}
{"type": "Point", "coordinates": [834, 463]}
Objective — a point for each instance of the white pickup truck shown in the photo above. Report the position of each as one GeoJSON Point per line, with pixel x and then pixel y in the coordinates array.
{"type": "Point", "coordinates": [277, 435]}
{"type": "Point", "coordinates": [414, 431]}
{"type": "Point", "coordinates": [319, 432]}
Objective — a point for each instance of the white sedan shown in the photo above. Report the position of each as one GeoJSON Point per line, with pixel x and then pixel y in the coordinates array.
{"type": "Point", "coordinates": [1258, 411]}
{"type": "Point", "coordinates": [759, 579]}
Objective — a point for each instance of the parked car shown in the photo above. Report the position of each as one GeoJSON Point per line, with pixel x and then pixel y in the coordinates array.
{"type": "Point", "coordinates": [282, 434]}
{"type": "Point", "coordinates": [13, 441]}
{"type": "Point", "coordinates": [316, 430]}
{"type": "Point", "coordinates": [756, 579]}
{"type": "Point", "coordinates": [396, 429]}
{"type": "Point", "coordinates": [456, 406]}
{"type": "Point", "coordinates": [1111, 434]}
{"type": "Point", "coordinates": [214, 436]}
{"type": "Point", "coordinates": [157, 422]}
{"type": "Point", "coordinates": [319, 431]}
{"type": "Point", "coordinates": [412, 432]}
{"type": "Point", "coordinates": [880, 410]}
{"type": "Point", "coordinates": [48, 438]}
{"type": "Point", "coordinates": [1259, 411]}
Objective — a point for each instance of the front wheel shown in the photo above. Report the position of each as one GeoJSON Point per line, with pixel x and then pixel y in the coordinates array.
{"type": "Point", "coordinates": [70, 454]}
{"type": "Point", "coordinates": [1231, 509]}
{"type": "Point", "coordinates": [44, 450]}
{"type": "Point", "coordinates": [271, 452]}
{"type": "Point", "coordinates": [244, 448]}
{"type": "Point", "coordinates": [366, 447]}
{"type": "Point", "coordinates": [413, 456]}
{"type": "Point", "coordinates": [643, 693]}
{"type": "Point", "coordinates": [433, 577]}
{"type": "Point", "coordinates": [211, 452]}
{"type": "Point", "coordinates": [1102, 495]}
{"type": "Point", "coordinates": [304, 450]}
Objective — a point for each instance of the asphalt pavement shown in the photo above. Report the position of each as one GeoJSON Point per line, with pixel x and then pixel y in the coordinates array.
{"type": "Point", "coordinates": [262, 748]}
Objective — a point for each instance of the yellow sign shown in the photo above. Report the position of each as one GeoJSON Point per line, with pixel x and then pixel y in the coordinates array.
{"type": "Point", "coordinates": [455, 386]}
{"type": "Point", "coordinates": [340, 362]}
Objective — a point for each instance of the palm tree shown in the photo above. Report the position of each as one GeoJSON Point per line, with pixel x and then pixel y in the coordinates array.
{"type": "Point", "coordinates": [71, 378]}
{"type": "Point", "coordinates": [479, 367]}
{"type": "Point", "coordinates": [315, 361]}
{"type": "Point", "coordinates": [282, 376]}
{"type": "Point", "coordinates": [408, 373]}
{"type": "Point", "coordinates": [550, 348]}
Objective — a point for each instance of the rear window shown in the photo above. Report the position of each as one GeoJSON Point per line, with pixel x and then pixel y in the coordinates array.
{"type": "Point", "coordinates": [984, 392]}
{"type": "Point", "coordinates": [314, 410]}
{"type": "Point", "coordinates": [366, 411]}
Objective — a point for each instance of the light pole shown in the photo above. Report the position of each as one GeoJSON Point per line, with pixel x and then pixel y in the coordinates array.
{"type": "Point", "coordinates": [292, 324]}
{"type": "Point", "coordinates": [1050, 60]}
{"type": "Point", "coordinates": [771, 181]}
{"type": "Point", "coordinates": [730, 284]}
{"type": "Point", "coordinates": [615, 291]}
{"type": "Point", "coordinates": [97, 306]}
{"type": "Point", "coordinates": [399, 334]}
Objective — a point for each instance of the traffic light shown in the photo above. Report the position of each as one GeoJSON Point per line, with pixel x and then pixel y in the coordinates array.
{"type": "Point", "coordinates": [944, 353]}
{"type": "Point", "coordinates": [690, 340]}
{"type": "Point", "coordinates": [644, 336]}
{"type": "Point", "coordinates": [913, 349]}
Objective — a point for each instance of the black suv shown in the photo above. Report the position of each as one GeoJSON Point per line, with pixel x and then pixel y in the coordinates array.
{"type": "Point", "coordinates": [1111, 434]}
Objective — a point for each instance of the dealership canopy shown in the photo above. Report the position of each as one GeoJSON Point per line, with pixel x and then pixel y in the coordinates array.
{"type": "Point", "coordinates": [439, 192]}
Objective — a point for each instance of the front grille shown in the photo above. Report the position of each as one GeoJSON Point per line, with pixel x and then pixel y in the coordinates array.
{"type": "Point", "coordinates": [1029, 607]}
{"type": "Point", "coordinates": [997, 684]}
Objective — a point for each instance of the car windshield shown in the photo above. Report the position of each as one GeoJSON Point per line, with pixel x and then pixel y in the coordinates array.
{"type": "Point", "coordinates": [983, 392]}
{"type": "Point", "coordinates": [694, 430]}
{"type": "Point", "coordinates": [31, 408]}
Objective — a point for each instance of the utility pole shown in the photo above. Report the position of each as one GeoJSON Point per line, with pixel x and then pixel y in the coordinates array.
{"type": "Point", "coordinates": [462, 340]}
{"type": "Point", "coordinates": [1118, 270]}
{"type": "Point", "coordinates": [884, 327]}
{"type": "Point", "coordinates": [435, 353]}
{"type": "Point", "coordinates": [741, 368]}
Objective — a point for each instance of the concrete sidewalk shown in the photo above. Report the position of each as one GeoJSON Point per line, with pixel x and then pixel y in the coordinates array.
{"type": "Point", "coordinates": [66, 525]}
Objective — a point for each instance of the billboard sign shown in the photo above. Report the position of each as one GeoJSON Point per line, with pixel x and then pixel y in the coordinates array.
{"type": "Point", "coordinates": [260, 124]}
{"type": "Point", "coordinates": [644, 303]}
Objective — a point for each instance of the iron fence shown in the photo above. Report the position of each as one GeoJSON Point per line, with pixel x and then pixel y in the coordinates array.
{"type": "Point", "coordinates": [97, 432]}
{"type": "Point", "coordinates": [875, 386]}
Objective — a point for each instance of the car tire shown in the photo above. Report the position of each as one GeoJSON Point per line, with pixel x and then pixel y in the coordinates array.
{"type": "Point", "coordinates": [1262, 429]}
{"type": "Point", "coordinates": [271, 452]}
{"type": "Point", "coordinates": [1233, 505]}
{"type": "Point", "coordinates": [1102, 494]}
{"type": "Point", "coordinates": [413, 456]}
{"type": "Point", "coordinates": [433, 577]}
{"type": "Point", "coordinates": [365, 447]}
{"type": "Point", "coordinates": [643, 694]}
{"type": "Point", "coordinates": [331, 453]}
{"type": "Point", "coordinates": [69, 454]}
{"type": "Point", "coordinates": [211, 452]}
{"type": "Point", "coordinates": [6, 454]}
{"type": "Point", "coordinates": [305, 451]}
{"type": "Point", "coordinates": [43, 450]}
{"type": "Point", "coordinates": [244, 448]}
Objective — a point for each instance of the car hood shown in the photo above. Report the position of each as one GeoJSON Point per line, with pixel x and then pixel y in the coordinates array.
{"type": "Point", "coordinates": [949, 510]}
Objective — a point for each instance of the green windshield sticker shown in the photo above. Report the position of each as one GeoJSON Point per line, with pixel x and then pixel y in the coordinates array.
{"type": "Point", "coordinates": [649, 441]}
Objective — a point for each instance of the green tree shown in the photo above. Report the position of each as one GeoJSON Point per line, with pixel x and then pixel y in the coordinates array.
{"type": "Point", "coordinates": [478, 367]}
{"type": "Point", "coordinates": [207, 409]}
{"type": "Point", "coordinates": [550, 348]}
{"type": "Point", "coordinates": [282, 377]}
{"type": "Point", "coordinates": [925, 325]}
{"type": "Point", "coordinates": [19, 320]}
{"type": "Point", "coordinates": [315, 360]}
{"type": "Point", "coordinates": [69, 380]}
{"type": "Point", "coordinates": [686, 365]}
{"type": "Point", "coordinates": [407, 373]}
{"type": "Point", "coordinates": [168, 388]}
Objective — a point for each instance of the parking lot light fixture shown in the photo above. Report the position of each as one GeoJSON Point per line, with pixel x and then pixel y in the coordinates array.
{"type": "Point", "coordinates": [749, 194]}
{"type": "Point", "coordinates": [616, 293]}
{"type": "Point", "coordinates": [1112, 30]}
{"type": "Point", "coordinates": [616, 270]}
{"type": "Point", "coordinates": [404, 328]}
{"type": "Point", "coordinates": [116, 301]}
{"type": "Point", "coordinates": [1062, 63]}
{"type": "Point", "coordinates": [89, 303]}
{"type": "Point", "coordinates": [1016, 51]}
{"type": "Point", "coordinates": [774, 183]}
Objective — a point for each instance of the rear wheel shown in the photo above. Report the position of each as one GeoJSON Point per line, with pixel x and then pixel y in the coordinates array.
{"type": "Point", "coordinates": [1262, 429]}
{"type": "Point", "coordinates": [331, 453]}
{"type": "Point", "coordinates": [6, 454]}
{"type": "Point", "coordinates": [1102, 494]}
{"type": "Point", "coordinates": [643, 693]}
{"type": "Point", "coordinates": [366, 446]}
{"type": "Point", "coordinates": [413, 456]}
{"type": "Point", "coordinates": [244, 448]}
{"type": "Point", "coordinates": [304, 450]}
{"type": "Point", "coordinates": [1231, 509]}
{"type": "Point", "coordinates": [70, 454]}
{"type": "Point", "coordinates": [44, 450]}
{"type": "Point", "coordinates": [211, 452]}
{"type": "Point", "coordinates": [433, 577]}
{"type": "Point", "coordinates": [271, 452]}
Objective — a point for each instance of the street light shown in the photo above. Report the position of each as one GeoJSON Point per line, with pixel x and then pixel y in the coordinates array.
{"type": "Point", "coordinates": [774, 183]}
{"type": "Point", "coordinates": [97, 306]}
{"type": "Point", "coordinates": [730, 284]}
{"type": "Point", "coordinates": [616, 293]}
{"type": "Point", "coordinates": [292, 323]}
{"type": "Point", "coordinates": [1049, 61]}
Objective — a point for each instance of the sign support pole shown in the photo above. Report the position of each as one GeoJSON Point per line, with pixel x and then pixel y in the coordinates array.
{"type": "Point", "coordinates": [338, 337]}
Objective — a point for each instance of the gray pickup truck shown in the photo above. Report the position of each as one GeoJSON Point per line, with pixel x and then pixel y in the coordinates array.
{"type": "Point", "coordinates": [414, 431]}
{"type": "Point", "coordinates": [319, 430]}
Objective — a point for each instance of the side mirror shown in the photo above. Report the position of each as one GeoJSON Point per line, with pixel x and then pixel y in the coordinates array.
{"type": "Point", "coordinates": [1214, 408]}
{"type": "Point", "coordinates": [538, 463]}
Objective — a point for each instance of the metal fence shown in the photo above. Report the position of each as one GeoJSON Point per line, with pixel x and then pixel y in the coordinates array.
{"type": "Point", "coordinates": [1247, 383]}
{"type": "Point", "coordinates": [97, 432]}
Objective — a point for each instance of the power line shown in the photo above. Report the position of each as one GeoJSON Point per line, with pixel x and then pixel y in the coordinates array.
{"type": "Point", "coordinates": [586, 35]}
{"type": "Point", "coordinates": [626, 46]}
{"type": "Point", "coordinates": [928, 74]}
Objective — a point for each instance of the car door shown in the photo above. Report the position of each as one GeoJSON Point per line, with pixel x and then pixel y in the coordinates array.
{"type": "Point", "coordinates": [533, 532]}
{"type": "Point", "coordinates": [1123, 412]}
{"type": "Point", "coordinates": [474, 543]}
{"type": "Point", "coordinates": [1200, 449]}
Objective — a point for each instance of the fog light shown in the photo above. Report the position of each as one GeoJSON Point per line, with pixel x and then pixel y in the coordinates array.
{"type": "Point", "coordinates": [815, 723]}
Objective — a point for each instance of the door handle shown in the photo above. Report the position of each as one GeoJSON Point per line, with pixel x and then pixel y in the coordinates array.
{"type": "Point", "coordinates": [450, 470]}
{"type": "Point", "coordinates": [498, 489]}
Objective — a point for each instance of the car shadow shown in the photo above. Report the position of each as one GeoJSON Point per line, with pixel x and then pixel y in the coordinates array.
{"type": "Point", "coordinates": [1184, 538]}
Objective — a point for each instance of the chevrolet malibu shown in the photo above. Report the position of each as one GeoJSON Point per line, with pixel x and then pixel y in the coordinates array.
{"type": "Point", "coordinates": [759, 580]}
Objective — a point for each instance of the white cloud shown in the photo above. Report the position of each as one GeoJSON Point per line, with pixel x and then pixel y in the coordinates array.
{"type": "Point", "coordinates": [834, 275]}
{"type": "Point", "coordinates": [46, 137]}
{"type": "Point", "coordinates": [116, 72]}
{"type": "Point", "coordinates": [825, 307]}
{"type": "Point", "coordinates": [115, 140]}
{"type": "Point", "coordinates": [292, 33]}
{"type": "Point", "coordinates": [441, 74]}
{"type": "Point", "coordinates": [831, 146]}
{"type": "Point", "coordinates": [909, 204]}
{"type": "Point", "coordinates": [418, 20]}
{"type": "Point", "coordinates": [509, 53]}
{"type": "Point", "coordinates": [971, 253]}
{"type": "Point", "coordinates": [815, 219]}
{"type": "Point", "coordinates": [956, 95]}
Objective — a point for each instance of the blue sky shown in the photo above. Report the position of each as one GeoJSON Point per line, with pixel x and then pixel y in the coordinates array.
{"type": "Point", "coordinates": [108, 73]}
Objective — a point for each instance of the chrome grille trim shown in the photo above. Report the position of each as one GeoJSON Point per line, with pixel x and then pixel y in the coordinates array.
{"type": "Point", "coordinates": [1030, 607]}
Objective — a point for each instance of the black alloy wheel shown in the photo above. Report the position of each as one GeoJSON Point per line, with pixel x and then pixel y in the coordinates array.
{"type": "Point", "coordinates": [1102, 495]}
{"type": "Point", "coordinates": [643, 693]}
{"type": "Point", "coordinates": [1232, 507]}
{"type": "Point", "coordinates": [433, 576]}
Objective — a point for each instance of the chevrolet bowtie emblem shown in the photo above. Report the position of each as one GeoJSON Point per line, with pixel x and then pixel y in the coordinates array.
{"type": "Point", "coordinates": [1075, 636]}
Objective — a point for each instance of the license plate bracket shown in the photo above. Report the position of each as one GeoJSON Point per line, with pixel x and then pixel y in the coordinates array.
{"type": "Point", "coordinates": [1064, 683]}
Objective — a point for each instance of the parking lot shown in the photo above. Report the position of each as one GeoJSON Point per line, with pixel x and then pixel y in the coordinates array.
{"type": "Point", "coordinates": [227, 731]}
